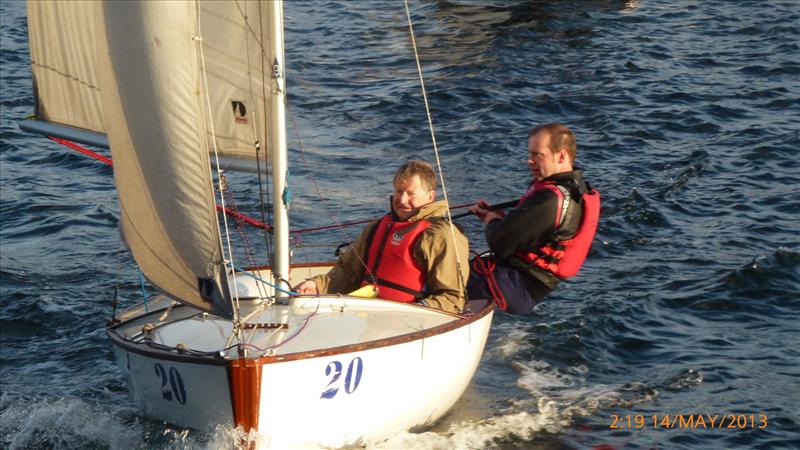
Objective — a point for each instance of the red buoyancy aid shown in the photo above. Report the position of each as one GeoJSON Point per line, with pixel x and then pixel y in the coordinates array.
{"type": "Point", "coordinates": [390, 260]}
{"type": "Point", "coordinates": [563, 258]}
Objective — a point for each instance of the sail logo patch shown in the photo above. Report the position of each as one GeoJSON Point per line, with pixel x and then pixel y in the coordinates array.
{"type": "Point", "coordinates": [239, 112]}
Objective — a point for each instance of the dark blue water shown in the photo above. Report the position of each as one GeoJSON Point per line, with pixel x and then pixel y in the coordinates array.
{"type": "Point", "coordinates": [688, 121]}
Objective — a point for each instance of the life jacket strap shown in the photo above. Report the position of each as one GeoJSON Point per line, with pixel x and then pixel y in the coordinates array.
{"type": "Point", "coordinates": [549, 259]}
{"type": "Point", "coordinates": [381, 282]}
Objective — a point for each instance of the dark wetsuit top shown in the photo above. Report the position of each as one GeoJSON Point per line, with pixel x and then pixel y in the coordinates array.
{"type": "Point", "coordinates": [532, 225]}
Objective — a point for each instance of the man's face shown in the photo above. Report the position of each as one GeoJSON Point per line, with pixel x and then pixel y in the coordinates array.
{"type": "Point", "coordinates": [409, 196]}
{"type": "Point", "coordinates": [542, 161]}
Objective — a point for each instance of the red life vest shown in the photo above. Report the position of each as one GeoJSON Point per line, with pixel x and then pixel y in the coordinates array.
{"type": "Point", "coordinates": [390, 260]}
{"type": "Point", "coordinates": [563, 258]}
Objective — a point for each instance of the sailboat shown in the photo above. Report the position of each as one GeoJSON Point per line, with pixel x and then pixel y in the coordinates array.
{"type": "Point", "coordinates": [178, 91]}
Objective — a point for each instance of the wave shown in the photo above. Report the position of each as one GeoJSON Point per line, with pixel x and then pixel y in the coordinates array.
{"type": "Point", "coordinates": [66, 423]}
{"type": "Point", "coordinates": [778, 273]}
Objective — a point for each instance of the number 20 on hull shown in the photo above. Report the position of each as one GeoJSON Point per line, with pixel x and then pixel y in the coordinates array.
{"type": "Point", "coordinates": [352, 377]}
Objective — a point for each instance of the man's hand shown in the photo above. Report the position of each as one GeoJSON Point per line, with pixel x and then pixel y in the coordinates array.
{"type": "Point", "coordinates": [480, 209]}
{"type": "Point", "coordinates": [308, 287]}
{"type": "Point", "coordinates": [483, 210]}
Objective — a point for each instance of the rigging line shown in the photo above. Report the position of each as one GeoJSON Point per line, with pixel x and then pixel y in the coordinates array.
{"type": "Point", "coordinates": [244, 218]}
{"type": "Point", "coordinates": [236, 214]}
{"type": "Point", "coordinates": [265, 214]}
{"type": "Point", "coordinates": [259, 38]}
{"type": "Point", "coordinates": [117, 280]}
{"type": "Point", "coordinates": [299, 330]}
{"type": "Point", "coordinates": [249, 28]}
{"type": "Point", "coordinates": [256, 135]}
{"type": "Point", "coordinates": [144, 293]}
{"type": "Point", "coordinates": [209, 120]}
{"type": "Point", "coordinates": [274, 286]}
{"type": "Point", "coordinates": [248, 247]}
{"type": "Point", "coordinates": [333, 218]}
{"type": "Point", "coordinates": [302, 327]}
{"type": "Point", "coordinates": [257, 140]}
{"type": "Point", "coordinates": [435, 147]}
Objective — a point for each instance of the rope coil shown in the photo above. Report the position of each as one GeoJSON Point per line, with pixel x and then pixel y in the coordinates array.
{"type": "Point", "coordinates": [486, 268]}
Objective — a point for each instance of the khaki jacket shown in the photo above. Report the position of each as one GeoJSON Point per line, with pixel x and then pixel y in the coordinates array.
{"type": "Point", "coordinates": [433, 251]}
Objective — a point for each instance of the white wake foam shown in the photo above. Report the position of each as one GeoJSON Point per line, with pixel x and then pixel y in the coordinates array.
{"type": "Point", "coordinates": [63, 423]}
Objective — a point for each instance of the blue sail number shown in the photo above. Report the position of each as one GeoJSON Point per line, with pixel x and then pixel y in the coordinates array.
{"type": "Point", "coordinates": [352, 377]}
{"type": "Point", "coordinates": [175, 388]}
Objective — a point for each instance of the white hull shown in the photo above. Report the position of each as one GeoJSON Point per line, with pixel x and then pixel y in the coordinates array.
{"type": "Point", "coordinates": [345, 370]}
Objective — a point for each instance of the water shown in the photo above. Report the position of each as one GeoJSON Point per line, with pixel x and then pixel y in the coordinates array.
{"type": "Point", "coordinates": [687, 117]}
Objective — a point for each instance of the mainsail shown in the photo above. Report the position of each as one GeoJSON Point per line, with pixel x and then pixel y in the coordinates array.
{"type": "Point", "coordinates": [62, 39]}
{"type": "Point", "coordinates": [65, 68]}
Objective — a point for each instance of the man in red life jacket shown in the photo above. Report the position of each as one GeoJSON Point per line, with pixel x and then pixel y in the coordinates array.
{"type": "Point", "coordinates": [408, 254]}
{"type": "Point", "coordinates": [547, 236]}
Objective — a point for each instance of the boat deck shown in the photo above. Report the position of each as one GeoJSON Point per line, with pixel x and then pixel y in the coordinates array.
{"type": "Point", "coordinates": [305, 324]}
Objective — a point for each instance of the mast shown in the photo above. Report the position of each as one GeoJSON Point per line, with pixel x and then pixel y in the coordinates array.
{"type": "Point", "coordinates": [277, 145]}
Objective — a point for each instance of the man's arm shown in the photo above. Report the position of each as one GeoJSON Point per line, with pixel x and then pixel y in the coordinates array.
{"type": "Point", "coordinates": [436, 253]}
{"type": "Point", "coordinates": [348, 272]}
{"type": "Point", "coordinates": [523, 226]}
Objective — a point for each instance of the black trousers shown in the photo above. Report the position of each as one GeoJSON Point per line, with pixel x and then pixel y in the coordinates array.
{"type": "Point", "coordinates": [521, 292]}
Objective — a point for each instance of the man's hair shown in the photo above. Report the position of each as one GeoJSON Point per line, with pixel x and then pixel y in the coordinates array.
{"type": "Point", "coordinates": [420, 168]}
{"type": "Point", "coordinates": [560, 137]}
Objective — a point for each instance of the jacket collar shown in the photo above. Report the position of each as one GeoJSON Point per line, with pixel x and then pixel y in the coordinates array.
{"type": "Point", "coordinates": [433, 209]}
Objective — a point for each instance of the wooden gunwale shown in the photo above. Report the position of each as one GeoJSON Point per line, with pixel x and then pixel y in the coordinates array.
{"type": "Point", "coordinates": [294, 266]}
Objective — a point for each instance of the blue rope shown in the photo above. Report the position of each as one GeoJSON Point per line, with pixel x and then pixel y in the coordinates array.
{"type": "Point", "coordinates": [144, 294]}
{"type": "Point", "coordinates": [287, 191]}
{"type": "Point", "coordinates": [265, 281]}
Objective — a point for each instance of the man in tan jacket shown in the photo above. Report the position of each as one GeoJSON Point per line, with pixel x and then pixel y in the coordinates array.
{"type": "Point", "coordinates": [408, 254]}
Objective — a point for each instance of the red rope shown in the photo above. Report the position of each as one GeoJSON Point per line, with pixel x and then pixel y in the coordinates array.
{"type": "Point", "coordinates": [83, 150]}
{"type": "Point", "coordinates": [487, 270]}
{"type": "Point", "coordinates": [247, 219]}
{"type": "Point", "coordinates": [360, 222]}
{"type": "Point", "coordinates": [235, 214]}
{"type": "Point", "coordinates": [240, 223]}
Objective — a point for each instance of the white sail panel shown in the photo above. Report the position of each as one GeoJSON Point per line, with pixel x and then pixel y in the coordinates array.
{"type": "Point", "coordinates": [234, 60]}
{"type": "Point", "coordinates": [153, 103]}
{"type": "Point", "coordinates": [62, 39]}
{"type": "Point", "coordinates": [63, 43]}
